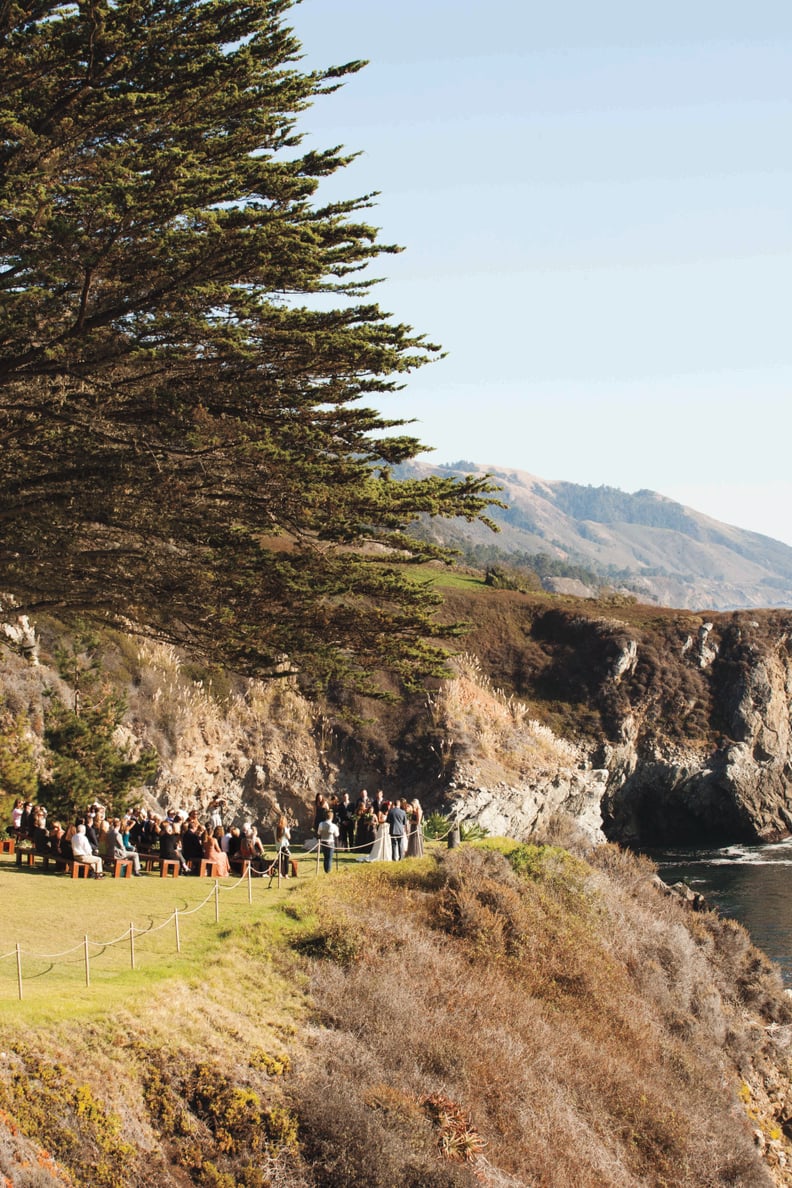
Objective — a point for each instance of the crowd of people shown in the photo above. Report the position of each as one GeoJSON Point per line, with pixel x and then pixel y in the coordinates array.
{"type": "Point", "coordinates": [379, 830]}
{"type": "Point", "coordinates": [98, 840]}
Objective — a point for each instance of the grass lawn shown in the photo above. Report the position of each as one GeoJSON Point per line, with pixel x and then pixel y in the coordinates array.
{"type": "Point", "coordinates": [49, 915]}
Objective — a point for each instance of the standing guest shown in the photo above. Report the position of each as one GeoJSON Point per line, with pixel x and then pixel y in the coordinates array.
{"type": "Point", "coordinates": [215, 810]}
{"type": "Point", "coordinates": [321, 807]}
{"type": "Point", "coordinates": [397, 824]}
{"type": "Point", "coordinates": [346, 822]}
{"type": "Point", "coordinates": [327, 834]}
{"type": "Point", "coordinates": [16, 817]}
{"type": "Point", "coordinates": [365, 828]}
{"type": "Point", "coordinates": [82, 852]}
{"type": "Point", "coordinates": [379, 804]}
{"type": "Point", "coordinates": [283, 842]}
{"type": "Point", "coordinates": [26, 820]}
{"type": "Point", "coordinates": [415, 846]}
{"type": "Point", "coordinates": [362, 800]}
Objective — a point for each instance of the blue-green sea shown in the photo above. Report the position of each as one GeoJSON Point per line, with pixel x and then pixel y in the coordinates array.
{"type": "Point", "coordinates": [752, 884]}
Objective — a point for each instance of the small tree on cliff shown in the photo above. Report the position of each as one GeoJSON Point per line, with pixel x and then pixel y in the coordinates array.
{"type": "Point", "coordinates": [185, 339]}
{"type": "Point", "coordinates": [87, 760]}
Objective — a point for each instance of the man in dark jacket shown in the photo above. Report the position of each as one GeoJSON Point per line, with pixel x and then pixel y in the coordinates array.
{"type": "Point", "coordinates": [397, 826]}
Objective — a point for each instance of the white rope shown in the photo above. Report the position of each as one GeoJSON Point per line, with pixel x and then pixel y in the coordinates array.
{"type": "Point", "coordinates": [191, 911]}
{"type": "Point", "coordinates": [108, 944]}
{"type": "Point", "coordinates": [152, 928]}
{"type": "Point", "coordinates": [50, 956]}
{"type": "Point", "coordinates": [156, 927]}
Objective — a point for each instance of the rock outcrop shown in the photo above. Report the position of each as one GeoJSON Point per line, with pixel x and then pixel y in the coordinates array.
{"type": "Point", "coordinates": [689, 716]}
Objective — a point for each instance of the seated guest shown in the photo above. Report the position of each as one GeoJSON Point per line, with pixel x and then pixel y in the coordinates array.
{"type": "Point", "coordinates": [192, 847]}
{"type": "Point", "coordinates": [39, 835]}
{"type": "Point", "coordinates": [56, 836]}
{"type": "Point", "coordinates": [82, 852]}
{"type": "Point", "coordinates": [213, 853]}
{"type": "Point", "coordinates": [170, 847]}
{"type": "Point", "coordinates": [234, 844]}
{"type": "Point", "coordinates": [91, 832]}
{"type": "Point", "coordinates": [119, 850]}
{"type": "Point", "coordinates": [105, 841]}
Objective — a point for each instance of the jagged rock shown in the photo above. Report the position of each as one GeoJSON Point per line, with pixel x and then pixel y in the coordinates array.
{"type": "Point", "coordinates": [518, 811]}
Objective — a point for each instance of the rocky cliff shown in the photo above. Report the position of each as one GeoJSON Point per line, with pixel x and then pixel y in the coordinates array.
{"type": "Point", "coordinates": [655, 727]}
{"type": "Point", "coordinates": [685, 717]}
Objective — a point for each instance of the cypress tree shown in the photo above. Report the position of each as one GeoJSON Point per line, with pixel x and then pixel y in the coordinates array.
{"type": "Point", "coordinates": [187, 344]}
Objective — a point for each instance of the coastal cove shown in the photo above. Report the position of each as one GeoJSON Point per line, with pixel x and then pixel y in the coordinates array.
{"type": "Point", "coordinates": [750, 884]}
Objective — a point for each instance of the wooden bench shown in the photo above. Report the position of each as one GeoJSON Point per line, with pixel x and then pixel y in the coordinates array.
{"type": "Point", "coordinates": [7, 845]}
{"type": "Point", "coordinates": [80, 870]}
{"type": "Point", "coordinates": [209, 869]}
{"type": "Point", "coordinates": [122, 868]}
{"type": "Point", "coordinates": [169, 868]}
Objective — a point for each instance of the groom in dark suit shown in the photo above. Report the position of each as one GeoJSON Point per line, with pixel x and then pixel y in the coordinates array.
{"type": "Point", "coordinates": [397, 826]}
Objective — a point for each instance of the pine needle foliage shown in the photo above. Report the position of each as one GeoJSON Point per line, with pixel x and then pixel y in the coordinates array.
{"type": "Point", "coordinates": [186, 336]}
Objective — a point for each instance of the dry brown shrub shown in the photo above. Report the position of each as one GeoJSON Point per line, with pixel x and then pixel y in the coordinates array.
{"type": "Point", "coordinates": [576, 1063]}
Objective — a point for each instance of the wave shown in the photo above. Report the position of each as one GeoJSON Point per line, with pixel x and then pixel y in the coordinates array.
{"type": "Point", "coordinates": [774, 854]}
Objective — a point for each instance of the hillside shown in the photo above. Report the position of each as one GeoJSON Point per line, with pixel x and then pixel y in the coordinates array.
{"type": "Point", "coordinates": [502, 1016]}
{"type": "Point", "coordinates": [662, 551]}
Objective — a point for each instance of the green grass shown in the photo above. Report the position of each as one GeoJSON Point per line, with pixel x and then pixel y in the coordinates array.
{"type": "Point", "coordinates": [443, 577]}
{"type": "Point", "coordinates": [49, 915]}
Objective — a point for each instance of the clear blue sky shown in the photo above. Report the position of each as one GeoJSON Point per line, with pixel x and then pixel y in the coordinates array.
{"type": "Point", "coordinates": [596, 206]}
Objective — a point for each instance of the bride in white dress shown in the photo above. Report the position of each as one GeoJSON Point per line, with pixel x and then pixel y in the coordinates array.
{"type": "Point", "coordinates": [381, 850]}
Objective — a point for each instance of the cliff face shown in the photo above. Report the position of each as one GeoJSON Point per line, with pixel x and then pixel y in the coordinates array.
{"type": "Point", "coordinates": [689, 715]}
{"type": "Point", "coordinates": [653, 727]}
{"type": "Point", "coordinates": [740, 788]}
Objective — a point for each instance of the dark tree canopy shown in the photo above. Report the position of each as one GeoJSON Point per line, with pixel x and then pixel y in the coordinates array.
{"type": "Point", "coordinates": [185, 445]}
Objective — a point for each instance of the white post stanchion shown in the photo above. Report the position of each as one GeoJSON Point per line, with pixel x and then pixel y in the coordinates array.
{"type": "Point", "coordinates": [250, 881]}
{"type": "Point", "coordinates": [87, 963]}
{"type": "Point", "coordinates": [217, 902]}
{"type": "Point", "coordinates": [176, 922]}
{"type": "Point", "coordinates": [19, 970]}
{"type": "Point", "coordinates": [132, 944]}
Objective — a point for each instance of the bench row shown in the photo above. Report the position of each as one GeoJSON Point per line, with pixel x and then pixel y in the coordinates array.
{"type": "Point", "coordinates": [122, 867]}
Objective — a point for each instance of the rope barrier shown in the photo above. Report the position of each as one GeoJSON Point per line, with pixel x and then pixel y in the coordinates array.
{"type": "Point", "coordinates": [115, 941]}
{"type": "Point", "coordinates": [129, 934]}
{"type": "Point", "coordinates": [52, 956]}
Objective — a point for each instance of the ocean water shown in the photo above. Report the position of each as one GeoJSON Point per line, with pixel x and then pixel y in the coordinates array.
{"type": "Point", "coordinates": [751, 884]}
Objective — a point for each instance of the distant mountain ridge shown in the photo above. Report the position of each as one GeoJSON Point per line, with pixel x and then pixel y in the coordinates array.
{"type": "Point", "coordinates": [663, 551]}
